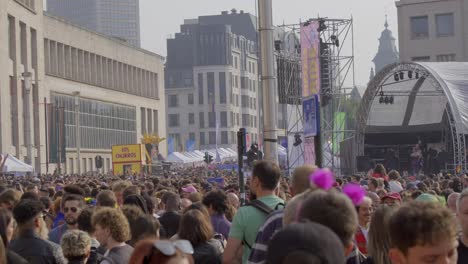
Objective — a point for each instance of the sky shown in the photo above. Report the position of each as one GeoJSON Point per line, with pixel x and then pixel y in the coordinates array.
{"type": "Point", "coordinates": [160, 19]}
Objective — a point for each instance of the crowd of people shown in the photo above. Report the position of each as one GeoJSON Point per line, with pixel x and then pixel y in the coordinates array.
{"type": "Point", "coordinates": [186, 218]}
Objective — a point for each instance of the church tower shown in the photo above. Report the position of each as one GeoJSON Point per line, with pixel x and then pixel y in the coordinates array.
{"type": "Point", "coordinates": [388, 52]}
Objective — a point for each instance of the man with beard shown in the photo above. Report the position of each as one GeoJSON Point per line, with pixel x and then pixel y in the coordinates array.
{"type": "Point", "coordinates": [72, 205]}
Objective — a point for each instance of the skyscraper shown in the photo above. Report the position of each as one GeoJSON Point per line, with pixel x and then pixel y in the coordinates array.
{"type": "Point", "coordinates": [115, 18]}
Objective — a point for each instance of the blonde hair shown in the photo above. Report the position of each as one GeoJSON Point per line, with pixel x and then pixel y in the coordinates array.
{"type": "Point", "coordinates": [75, 244]}
{"type": "Point", "coordinates": [120, 186]}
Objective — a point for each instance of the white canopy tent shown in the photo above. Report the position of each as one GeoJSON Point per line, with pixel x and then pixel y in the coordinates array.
{"type": "Point", "coordinates": [14, 165]}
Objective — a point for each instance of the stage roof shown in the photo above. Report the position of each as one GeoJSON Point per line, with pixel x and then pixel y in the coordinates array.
{"type": "Point", "coordinates": [419, 103]}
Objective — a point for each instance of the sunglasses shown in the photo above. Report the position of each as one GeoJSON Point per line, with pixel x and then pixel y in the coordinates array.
{"type": "Point", "coordinates": [168, 248]}
{"type": "Point", "coordinates": [72, 209]}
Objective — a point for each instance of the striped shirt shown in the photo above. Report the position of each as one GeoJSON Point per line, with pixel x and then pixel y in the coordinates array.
{"type": "Point", "coordinates": [272, 224]}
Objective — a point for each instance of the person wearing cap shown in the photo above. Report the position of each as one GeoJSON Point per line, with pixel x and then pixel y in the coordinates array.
{"type": "Point", "coordinates": [187, 190]}
{"type": "Point", "coordinates": [392, 199]}
{"type": "Point", "coordinates": [305, 243]}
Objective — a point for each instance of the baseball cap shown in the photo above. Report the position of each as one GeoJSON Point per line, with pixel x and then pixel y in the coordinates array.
{"type": "Point", "coordinates": [189, 189]}
{"type": "Point", "coordinates": [425, 197]}
{"type": "Point", "coordinates": [305, 242]}
{"type": "Point", "coordinates": [393, 196]}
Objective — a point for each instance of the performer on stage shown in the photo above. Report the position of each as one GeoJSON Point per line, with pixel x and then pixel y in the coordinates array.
{"type": "Point", "coordinates": [416, 159]}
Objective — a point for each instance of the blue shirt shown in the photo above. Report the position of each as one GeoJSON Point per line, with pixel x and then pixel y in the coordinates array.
{"type": "Point", "coordinates": [221, 225]}
{"type": "Point", "coordinates": [56, 234]}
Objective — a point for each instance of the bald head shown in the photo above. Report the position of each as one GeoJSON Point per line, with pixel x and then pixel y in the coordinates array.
{"type": "Point", "coordinates": [300, 179]}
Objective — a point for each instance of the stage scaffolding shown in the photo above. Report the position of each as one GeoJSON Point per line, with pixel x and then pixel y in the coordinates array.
{"type": "Point", "coordinates": [337, 82]}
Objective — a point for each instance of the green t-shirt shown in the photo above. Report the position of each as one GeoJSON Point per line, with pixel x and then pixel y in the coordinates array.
{"type": "Point", "coordinates": [248, 220]}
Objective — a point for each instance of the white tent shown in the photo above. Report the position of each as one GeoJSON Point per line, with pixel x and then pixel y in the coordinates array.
{"type": "Point", "coordinates": [177, 157]}
{"type": "Point", "coordinates": [12, 164]}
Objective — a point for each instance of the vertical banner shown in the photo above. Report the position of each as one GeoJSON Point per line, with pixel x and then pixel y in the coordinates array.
{"type": "Point", "coordinates": [309, 151]}
{"type": "Point", "coordinates": [310, 56]}
{"type": "Point", "coordinates": [311, 113]}
{"type": "Point", "coordinates": [339, 124]}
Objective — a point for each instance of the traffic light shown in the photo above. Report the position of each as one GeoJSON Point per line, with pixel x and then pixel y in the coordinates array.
{"type": "Point", "coordinates": [208, 158]}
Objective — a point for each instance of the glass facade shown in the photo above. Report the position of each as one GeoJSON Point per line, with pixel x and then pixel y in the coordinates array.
{"type": "Point", "coordinates": [102, 124]}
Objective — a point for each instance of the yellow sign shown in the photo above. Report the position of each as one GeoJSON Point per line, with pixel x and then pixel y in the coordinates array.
{"type": "Point", "coordinates": [127, 153]}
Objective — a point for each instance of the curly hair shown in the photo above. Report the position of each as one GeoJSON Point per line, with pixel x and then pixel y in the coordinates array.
{"type": "Point", "coordinates": [217, 200]}
{"type": "Point", "coordinates": [115, 221]}
{"type": "Point", "coordinates": [75, 245]}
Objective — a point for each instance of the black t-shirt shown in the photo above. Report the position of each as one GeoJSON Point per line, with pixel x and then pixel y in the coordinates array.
{"type": "Point", "coordinates": [462, 253]}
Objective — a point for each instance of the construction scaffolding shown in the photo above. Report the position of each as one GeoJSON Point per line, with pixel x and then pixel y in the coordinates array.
{"type": "Point", "coordinates": [337, 81]}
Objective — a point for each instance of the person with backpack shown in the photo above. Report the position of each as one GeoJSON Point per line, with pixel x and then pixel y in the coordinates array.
{"type": "Point", "coordinates": [265, 178]}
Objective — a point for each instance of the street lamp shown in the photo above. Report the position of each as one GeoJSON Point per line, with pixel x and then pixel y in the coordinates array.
{"type": "Point", "coordinates": [76, 96]}
{"type": "Point", "coordinates": [27, 116]}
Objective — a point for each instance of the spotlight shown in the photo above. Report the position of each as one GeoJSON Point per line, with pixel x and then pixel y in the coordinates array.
{"type": "Point", "coordinates": [402, 75]}
{"type": "Point", "coordinates": [387, 100]}
{"type": "Point", "coordinates": [277, 45]}
{"type": "Point", "coordinates": [335, 40]}
{"type": "Point", "coordinates": [297, 140]}
{"type": "Point", "coordinates": [417, 75]}
{"type": "Point", "coordinates": [322, 25]}
{"type": "Point", "coordinates": [381, 93]}
{"type": "Point", "coordinates": [395, 76]}
{"type": "Point", "coordinates": [410, 74]}
{"type": "Point", "coordinates": [391, 99]}
{"type": "Point", "coordinates": [381, 100]}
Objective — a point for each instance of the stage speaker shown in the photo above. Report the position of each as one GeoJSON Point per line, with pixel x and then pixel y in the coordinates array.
{"type": "Point", "coordinates": [363, 163]}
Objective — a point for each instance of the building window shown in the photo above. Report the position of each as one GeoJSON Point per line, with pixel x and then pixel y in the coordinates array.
{"type": "Point", "coordinates": [211, 119]}
{"type": "Point", "coordinates": [445, 57]}
{"type": "Point", "coordinates": [143, 120]}
{"type": "Point", "coordinates": [173, 120]}
{"type": "Point", "coordinates": [155, 122]}
{"type": "Point", "coordinates": [422, 58]}
{"type": "Point", "coordinates": [173, 100]}
{"type": "Point", "coordinates": [201, 117]}
{"type": "Point", "coordinates": [211, 87]}
{"type": "Point", "coordinates": [245, 101]}
{"type": "Point", "coordinates": [222, 87]}
{"type": "Point", "coordinates": [419, 27]}
{"type": "Point", "coordinates": [223, 119]}
{"type": "Point", "coordinates": [445, 25]}
{"type": "Point", "coordinates": [224, 137]}
{"type": "Point", "coordinates": [212, 137]}
{"type": "Point", "coordinates": [235, 62]}
{"type": "Point", "coordinates": [191, 118]}
{"type": "Point", "coordinates": [200, 88]}
{"type": "Point", "coordinates": [190, 99]}
{"type": "Point", "coordinates": [192, 136]}
{"type": "Point", "coordinates": [202, 138]}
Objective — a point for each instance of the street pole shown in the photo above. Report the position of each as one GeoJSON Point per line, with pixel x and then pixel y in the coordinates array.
{"type": "Point", "coordinates": [270, 137]}
{"type": "Point", "coordinates": [240, 162]}
{"type": "Point", "coordinates": [77, 131]}
{"type": "Point", "coordinates": [27, 116]}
